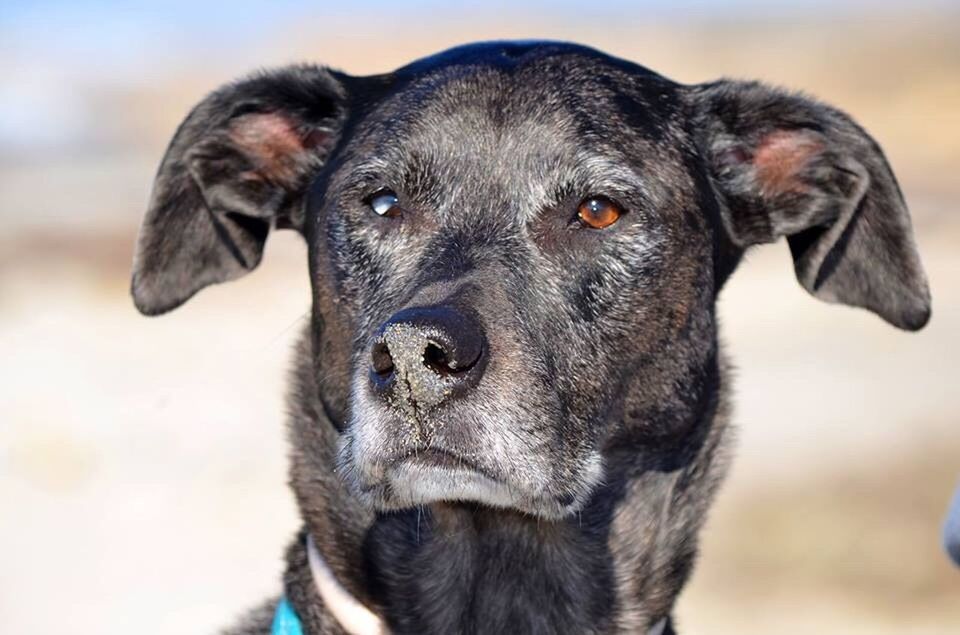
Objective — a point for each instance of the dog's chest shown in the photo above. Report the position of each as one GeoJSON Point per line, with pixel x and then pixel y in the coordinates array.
{"type": "Point", "coordinates": [469, 571]}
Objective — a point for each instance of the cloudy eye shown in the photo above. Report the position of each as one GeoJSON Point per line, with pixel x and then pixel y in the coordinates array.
{"type": "Point", "coordinates": [598, 212]}
{"type": "Point", "coordinates": [384, 202]}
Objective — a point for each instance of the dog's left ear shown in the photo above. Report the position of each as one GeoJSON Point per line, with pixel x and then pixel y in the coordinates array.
{"type": "Point", "coordinates": [785, 165]}
{"type": "Point", "coordinates": [240, 163]}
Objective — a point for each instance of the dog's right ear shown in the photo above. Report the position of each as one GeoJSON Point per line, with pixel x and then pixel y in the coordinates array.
{"type": "Point", "coordinates": [240, 163]}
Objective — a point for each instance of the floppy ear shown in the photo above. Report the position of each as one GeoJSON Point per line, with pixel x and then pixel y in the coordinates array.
{"type": "Point", "coordinates": [785, 165]}
{"type": "Point", "coordinates": [240, 162]}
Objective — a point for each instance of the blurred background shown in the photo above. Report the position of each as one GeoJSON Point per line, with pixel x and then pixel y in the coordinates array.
{"type": "Point", "coordinates": [142, 461]}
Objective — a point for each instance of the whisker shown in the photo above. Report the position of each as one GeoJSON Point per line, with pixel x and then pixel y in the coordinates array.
{"type": "Point", "coordinates": [285, 330]}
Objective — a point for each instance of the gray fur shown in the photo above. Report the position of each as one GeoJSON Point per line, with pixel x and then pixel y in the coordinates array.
{"type": "Point", "coordinates": [593, 442]}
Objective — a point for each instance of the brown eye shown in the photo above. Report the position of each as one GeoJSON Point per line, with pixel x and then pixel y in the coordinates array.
{"type": "Point", "coordinates": [598, 212]}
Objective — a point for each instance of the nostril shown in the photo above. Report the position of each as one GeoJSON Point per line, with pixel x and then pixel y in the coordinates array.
{"type": "Point", "coordinates": [381, 359]}
{"type": "Point", "coordinates": [435, 358]}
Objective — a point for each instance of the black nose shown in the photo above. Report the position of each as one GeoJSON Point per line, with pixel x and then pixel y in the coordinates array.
{"type": "Point", "coordinates": [428, 354]}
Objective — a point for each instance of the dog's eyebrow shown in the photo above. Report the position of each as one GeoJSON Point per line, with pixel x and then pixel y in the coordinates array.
{"type": "Point", "coordinates": [603, 171]}
{"type": "Point", "coordinates": [599, 175]}
{"type": "Point", "coordinates": [418, 177]}
{"type": "Point", "coordinates": [370, 172]}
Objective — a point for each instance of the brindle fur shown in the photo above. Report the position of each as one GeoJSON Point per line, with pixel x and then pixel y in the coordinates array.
{"type": "Point", "coordinates": [603, 406]}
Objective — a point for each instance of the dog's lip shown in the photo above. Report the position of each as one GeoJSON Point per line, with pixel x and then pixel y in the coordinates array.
{"type": "Point", "coordinates": [444, 459]}
{"type": "Point", "coordinates": [431, 459]}
{"type": "Point", "coordinates": [432, 462]}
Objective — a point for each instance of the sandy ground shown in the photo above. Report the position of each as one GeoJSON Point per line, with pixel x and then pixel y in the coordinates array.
{"type": "Point", "coordinates": [142, 461]}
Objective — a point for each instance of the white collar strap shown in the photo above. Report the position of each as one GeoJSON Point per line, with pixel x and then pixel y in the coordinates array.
{"type": "Point", "coordinates": [350, 613]}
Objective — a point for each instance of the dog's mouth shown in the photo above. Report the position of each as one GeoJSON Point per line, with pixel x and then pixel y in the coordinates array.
{"type": "Point", "coordinates": [439, 458]}
{"type": "Point", "coordinates": [424, 475]}
{"type": "Point", "coordinates": [433, 475]}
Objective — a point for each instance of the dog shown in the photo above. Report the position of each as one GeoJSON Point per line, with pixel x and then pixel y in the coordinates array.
{"type": "Point", "coordinates": [510, 409]}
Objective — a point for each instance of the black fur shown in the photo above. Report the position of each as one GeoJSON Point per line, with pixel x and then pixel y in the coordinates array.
{"type": "Point", "coordinates": [597, 434]}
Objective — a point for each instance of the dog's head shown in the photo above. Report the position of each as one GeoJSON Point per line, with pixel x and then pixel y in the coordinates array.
{"type": "Point", "coordinates": [516, 248]}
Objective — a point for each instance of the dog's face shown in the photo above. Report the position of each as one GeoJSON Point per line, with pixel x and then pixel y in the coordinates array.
{"type": "Point", "coordinates": [504, 256]}
{"type": "Point", "coordinates": [515, 250]}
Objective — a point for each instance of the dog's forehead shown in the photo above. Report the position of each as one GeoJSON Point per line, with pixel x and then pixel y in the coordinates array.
{"type": "Point", "coordinates": [503, 85]}
{"type": "Point", "coordinates": [518, 114]}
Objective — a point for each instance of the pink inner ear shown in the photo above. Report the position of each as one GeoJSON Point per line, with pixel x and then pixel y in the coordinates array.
{"type": "Point", "coordinates": [274, 143]}
{"type": "Point", "coordinates": [781, 157]}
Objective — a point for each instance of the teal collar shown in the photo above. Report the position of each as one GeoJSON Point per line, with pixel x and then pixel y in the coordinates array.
{"type": "Point", "coordinates": [285, 620]}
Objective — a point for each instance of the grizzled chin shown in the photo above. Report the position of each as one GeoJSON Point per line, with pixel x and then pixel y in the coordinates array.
{"type": "Point", "coordinates": [408, 486]}
{"type": "Point", "coordinates": [390, 474]}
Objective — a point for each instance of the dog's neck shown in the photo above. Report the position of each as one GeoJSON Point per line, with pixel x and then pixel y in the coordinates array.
{"type": "Point", "coordinates": [446, 567]}
{"type": "Point", "coordinates": [357, 619]}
